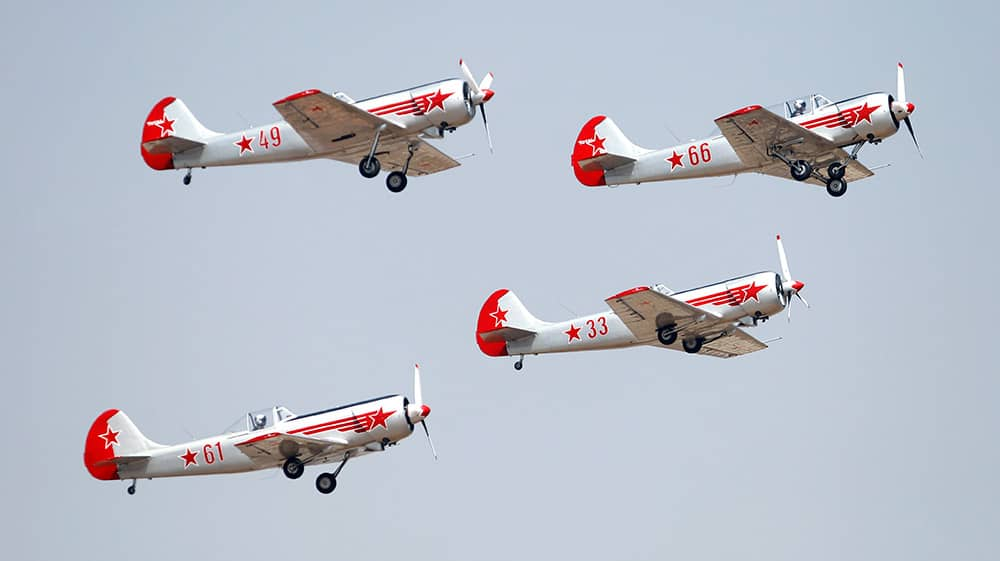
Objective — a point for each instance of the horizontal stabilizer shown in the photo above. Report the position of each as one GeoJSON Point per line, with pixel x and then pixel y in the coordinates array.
{"type": "Point", "coordinates": [170, 145]}
{"type": "Point", "coordinates": [505, 334]}
{"type": "Point", "coordinates": [604, 162]}
{"type": "Point", "coordinates": [121, 460]}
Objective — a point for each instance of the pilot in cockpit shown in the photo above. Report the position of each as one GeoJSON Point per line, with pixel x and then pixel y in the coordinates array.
{"type": "Point", "coordinates": [798, 108]}
{"type": "Point", "coordinates": [259, 421]}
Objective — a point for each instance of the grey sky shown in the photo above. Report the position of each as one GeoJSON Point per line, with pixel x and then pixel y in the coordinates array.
{"type": "Point", "coordinates": [869, 432]}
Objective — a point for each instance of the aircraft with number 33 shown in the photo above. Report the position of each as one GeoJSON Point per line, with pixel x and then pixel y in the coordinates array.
{"type": "Point", "coordinates": [704, 320]}
{"type": "Point", "coordinates": [385, 132]}
{"type": "Point", "coordinates": [804, 137]}
{"type": "Point", "coordinates": [269, 438]}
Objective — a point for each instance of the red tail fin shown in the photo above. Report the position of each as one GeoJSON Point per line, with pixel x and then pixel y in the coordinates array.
{"type": "Point", "coordinates": [100, 447]}
{"type": "Point", "coordinates": [491, 317]}
{"type": "Point", "coordinates": [588, 144]}
{"type": "Point", "coordinates": [158, 126]}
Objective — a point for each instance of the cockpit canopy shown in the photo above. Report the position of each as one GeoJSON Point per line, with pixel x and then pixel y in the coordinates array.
{"type": "Point", "coordinates": [260, 419]}
{"type": "Point", "coordinates": [799, 106]}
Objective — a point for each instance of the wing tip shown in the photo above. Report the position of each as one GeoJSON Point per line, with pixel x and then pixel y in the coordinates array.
{"type": "Point", "coordinates": [297, 95]}
{"type": "Point", "coordinates": [741, 111]}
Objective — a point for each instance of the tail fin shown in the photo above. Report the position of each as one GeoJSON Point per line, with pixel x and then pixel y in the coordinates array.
{"type": "Point", "coordinates": [503, 318]}
{"type": "Point", "coordinates": [601, 146]}
{"type": "Point", "coordinates": [113, 435]}
{"type": "Point", "coordinates": [170, 128]}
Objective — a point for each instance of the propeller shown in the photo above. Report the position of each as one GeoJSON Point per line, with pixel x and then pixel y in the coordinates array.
{"type": "Point", "coordinates": [417, 411]}
{"type": "Point", "coordinates": [480, 94]}
{"type": "Point", "coordinates": [901, 108]}
{"type": "Point", "coordinates": [790, 286]}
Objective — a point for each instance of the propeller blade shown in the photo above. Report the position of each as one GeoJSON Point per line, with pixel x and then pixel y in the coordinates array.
{"type": "Point", "coordinates": [900, 84]}
{"type": "Point", "coordinates": [487, 82]}
{"type": "Point", "coordinates": [418, 396]}
{"type": "Point", "coordinates": [909, 127]}
{"type": "Point", "coordinates": [470, 79]}
{"type": "Point", "coordinates": [429, 441]}
{"type": "Point", "coordinates": [803, 299]}
{"type": "Point", "coordinates": [482, 109]}
{"type": "Point", "coordinates": [788, 306]}
{"type": "Point", "coordinates": [784, 262]}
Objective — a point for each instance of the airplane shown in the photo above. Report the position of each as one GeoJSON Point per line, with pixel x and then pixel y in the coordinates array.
{"type": "Point", "coordinates": [268, 438]}
{"type": "Point", "coordinates": [803, 137]}
{"type": "Point", "coordinates": [705, 320]}
{"type": "Point", "coordinates": [385, 132]}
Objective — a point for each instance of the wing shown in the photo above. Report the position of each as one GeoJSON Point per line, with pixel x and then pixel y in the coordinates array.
{"type": "Point", "coordinates": [344, 132]}
{"type": "Point", "coordinates": [753, 131]}
{"type": "Point", "coordinates": [272, 448]}
{"type": "Point", "coordinates": [644, 309]}
{"type": "Point", "coordinates": [736, 343]}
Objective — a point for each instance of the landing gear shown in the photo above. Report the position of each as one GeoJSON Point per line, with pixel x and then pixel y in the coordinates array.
{"type": "Point", "coordinates": [520, 363]}
{"type": "Point", "coordinates": [836, 187]}
{"type": "Point", "coordinates": [369, 167]}
{"type": "Point", "coordinates": [131, 488]}
{"type": "Point", "coordinates": [327, 482]}
{"type": "Point", "coordinates": [693, 345]}
{"type": "Point", "coordinates": [396, 181]}
{"type": "Point", "coordinates": [293, 468]}
{"type": "Point", "coordinates": [801, 170]}
{"type": "Point", "coordinates": [836, 170]}
{"type": "Point", "coordinates": [187, 177]}
{"type": "Point", "coordinates": [667, 334]}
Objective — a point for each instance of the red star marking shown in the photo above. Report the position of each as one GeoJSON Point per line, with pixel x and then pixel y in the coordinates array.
{"type": "Point", "coordinates": [437, 100]}
{"type": "Point", "coordinates": [675, 161]}
{"type": "Point", "coordinates": [499, 316]}
{"type": "Point", "coordinates": [316, 108]}
{"type": "Point", "coordinates": [752, 291]}
{"type": "Point", "coordinates": [573, 332]}
{"type": "Point", "coordinates": [166, 125]}
{"type": "Point", "coordinates": [244, 145]}
{"type": "Point", "coordinates": [110, 437]}
{"type": "Point", "coordinates": [189, 458]}
{"type": "Point", "coordinates": [378, 418]}
{"type": "Point", "coordinates": [596, 144]}
{"type": "Point", "coordinates": [865, 113]}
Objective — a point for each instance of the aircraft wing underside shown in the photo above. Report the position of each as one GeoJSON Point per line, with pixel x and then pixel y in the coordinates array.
{"type": "Point", "coordinates": [753, 133]}
{"type": "Point", "coordinates": [345, 133]}
{"type": "Point", "coordinates": [272, 449]}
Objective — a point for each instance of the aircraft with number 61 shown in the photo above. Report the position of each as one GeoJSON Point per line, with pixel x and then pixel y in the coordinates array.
{"type": "Point", "coordinates": [385, 132]}
{"type": "Point", "coordinates": [115, 449]}
{"type": "Point", "coordinates": [803, 138]}
{"type": "Point", "coordinates": [704, 320]}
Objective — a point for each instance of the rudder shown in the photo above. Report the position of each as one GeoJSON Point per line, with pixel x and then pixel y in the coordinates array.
{"type": "Point", "coordinates": [112, 435]}
{"type": "Point", "coordinates": [170, 128]}
{"type": "Point", "coordinates": [600, 146]}
{"type": "Point", "coordinates": [503, 314]}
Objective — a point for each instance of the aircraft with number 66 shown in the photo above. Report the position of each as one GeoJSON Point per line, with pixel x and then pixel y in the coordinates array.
{"type": "Point", "coordinates": [704, 320]}
{"type": "Point", "coordinates": [803, 138]}
{"type": "Point", "coordinates": [385, 132]}
{"type": "Point", "coordinates": [275, 437]}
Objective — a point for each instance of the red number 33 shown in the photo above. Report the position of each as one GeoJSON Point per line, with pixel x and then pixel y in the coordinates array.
{"type": "Point", "coordinates": [596, 328]}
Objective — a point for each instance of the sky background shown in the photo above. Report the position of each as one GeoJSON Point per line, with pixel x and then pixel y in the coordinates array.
{"type": "Point", "coordinates": [868, 432]}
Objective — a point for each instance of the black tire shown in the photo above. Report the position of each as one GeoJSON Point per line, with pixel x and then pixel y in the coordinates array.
{"type": "Point", "coordinates": [396, 181]}
{"type": "Point", "coordinates": [518, 365]}
{"type": "Point", "coordinates": [369, 167]}
{"type": "Point", "coordinates": [187, 179]}
{"type": "Point", "coordinates": [836, 170]}
{"type": "Point", "coordinates": [131, 489]}
{"type": "Point", "coordinates": [667, 334]}
{"type": "Point", "coordinates": [801, 170]}
{"type": "Point", "coordinates": [836, 187]}
{"type": "Point", "coordinates": [293, 468]}
{"type": "Point", "coordinates": [326, 483]}
{"type": "Point", "coordinates": [693, 345]}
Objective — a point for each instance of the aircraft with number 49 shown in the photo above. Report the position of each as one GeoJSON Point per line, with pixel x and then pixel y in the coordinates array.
{"type": "Point", "coordinates": [804, 138]}
{"type": "Point", "coordinates": [704, 320]}
{"type": "Point", "coordinates": [269, 438]}
{"type": "Point", "coordinates": [385, 132]}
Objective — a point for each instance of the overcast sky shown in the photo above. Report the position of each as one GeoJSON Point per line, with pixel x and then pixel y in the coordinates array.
{"type": "Point", "coordinates": [868, 432]}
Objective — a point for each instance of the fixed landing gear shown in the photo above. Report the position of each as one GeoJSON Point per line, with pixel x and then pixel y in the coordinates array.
{"type": "Point", "coordinates": [293, 468]}
{"type": "Point", "coordinates": [667, 334]}
{"type": "Point", "coordinates": [836, 170]}
{"type": "Point", "coordinates": [396, 181]}
{"type": "Point", "coordinates": [693, 345]}
{"type": "Point", "coordinates": [131, 488]}
{"type": "Point", "coordinates": [836, 187]}
{"type": "Point", "coordinates": [327, 482]}
{"type": "Point", "coordinates": [520, 363]}
{"type": "Point", "coordinates": [187, 177]}
{"type": "Point", "coordinates": [800, 170]}
{"type": "Point", "coordinates": [369, 167]}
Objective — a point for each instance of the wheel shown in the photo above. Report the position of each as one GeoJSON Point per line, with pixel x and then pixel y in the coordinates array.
{"type": "Point", "coordinates": [836, 170]}
{"type": "Point", "coordinates": [293, 468]}
{"type": "Point", "coordinates": [801, 170]}
{"type": "Point", "coordinates": [519, 365]}
{"type": "Point", "coordinates": [666, 334]}
{"type": "Point", "coordinates": [693, 345]}
{"type": "Point", "coordinates": [326, 483]}
{"type": "Point", "coordinates": [369, 167]}
{"type": "Point", "coordinates": [396, 181]}
{"type": "Point", "coordinates": [131, 489]}
{"type": "Point", "coordinates": [836, 187]}
{"type": "Point", "coordinates": [187, 179]}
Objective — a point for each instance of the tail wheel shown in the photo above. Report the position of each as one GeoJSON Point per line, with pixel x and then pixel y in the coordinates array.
{"type": "Point", "coordinates": [369, 167]}
{"type": "Point", "coordinates": [836, 170]}
{"type": "Point", "coordinates": [836, 187]}
{"type": "Point", "coordinates": [801, 170]}
{"type": "Point", "coordinates": [667, 334]}
{"type": "Point", "coordinates": [693, 345]}
{"type": "Point", "coordinates": [293, 468]}
{"type": "Point", "coordinates": [326, 483]}
{"type": "Point", "coordinates": [396, 181]}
